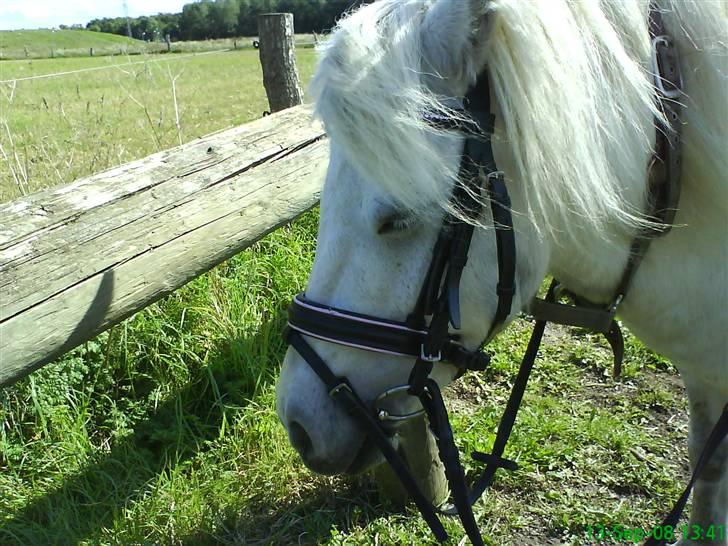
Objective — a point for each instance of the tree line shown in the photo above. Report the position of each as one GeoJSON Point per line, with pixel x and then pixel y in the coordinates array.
{"type": "Point", "coordinates": [209, 19]}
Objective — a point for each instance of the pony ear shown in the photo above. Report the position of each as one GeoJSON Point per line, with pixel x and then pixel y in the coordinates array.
{"type": "Point", "coordinates": [453, 33]}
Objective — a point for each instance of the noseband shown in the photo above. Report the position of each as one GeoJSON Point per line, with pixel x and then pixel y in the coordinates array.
{"type": "Point", "coordinates": [425, 335]}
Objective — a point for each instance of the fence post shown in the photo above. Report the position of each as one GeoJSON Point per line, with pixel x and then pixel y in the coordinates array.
{"type": "Point", "coordinates": [91, 51]}
{"type": "Point", "coordinates": [417, 446]}
{"type": "Point", "coordinates": [278, 59]}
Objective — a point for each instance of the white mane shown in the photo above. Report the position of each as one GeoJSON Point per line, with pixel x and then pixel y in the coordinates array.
{"type": "Point", "coordinates": [571, 80]}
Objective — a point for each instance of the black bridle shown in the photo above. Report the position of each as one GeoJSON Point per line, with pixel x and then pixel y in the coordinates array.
{"type": "Point", "coordinates": [425, 334]}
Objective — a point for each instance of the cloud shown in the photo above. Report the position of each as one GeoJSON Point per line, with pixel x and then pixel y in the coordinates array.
{"type": "Point", "coordinates": [29, 10]}
{"type": "Point", "coordinates": [51, 13]}
{"type": "Point", "coordinates": [142, 7]}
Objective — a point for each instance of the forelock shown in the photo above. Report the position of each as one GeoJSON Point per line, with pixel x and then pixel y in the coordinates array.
{"type": "Point", "coordinates": [370, 93]}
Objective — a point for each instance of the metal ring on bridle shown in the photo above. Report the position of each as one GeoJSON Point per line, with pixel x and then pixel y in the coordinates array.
{"type": "Point", "coordinates": [384, 415]}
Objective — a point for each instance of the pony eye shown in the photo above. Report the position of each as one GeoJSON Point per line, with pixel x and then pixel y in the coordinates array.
{"type": "Point", "coordinates": [395, 223]}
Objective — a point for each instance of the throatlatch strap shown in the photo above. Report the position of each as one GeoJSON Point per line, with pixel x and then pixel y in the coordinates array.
{"type": "Point", "coordinates": [595, 319]}
{"type": "Point", "coordinates": [584, 315]}
{"type": "Point", "coordinates": [717, 435]}
{"type": "Point", "coordinates": [505, 240]}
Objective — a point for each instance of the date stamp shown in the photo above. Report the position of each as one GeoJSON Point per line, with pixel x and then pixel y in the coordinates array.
{"type": "Point", "coordinates": [597, 533]}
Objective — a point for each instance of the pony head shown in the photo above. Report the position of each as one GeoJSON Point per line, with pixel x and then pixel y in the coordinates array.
{"type": "Point", "coordinates": [387, 69]}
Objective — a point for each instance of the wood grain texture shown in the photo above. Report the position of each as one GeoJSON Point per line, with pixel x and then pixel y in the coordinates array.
{"type": "Point", "coordinates": [79, 258]}
{"type": "Point", "coordinates": [278, 60]}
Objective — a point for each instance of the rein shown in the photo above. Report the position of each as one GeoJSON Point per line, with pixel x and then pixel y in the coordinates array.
{"type": "Point", "coordinates": [425, 334]}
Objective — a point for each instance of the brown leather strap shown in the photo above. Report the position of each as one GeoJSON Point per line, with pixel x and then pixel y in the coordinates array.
{"type": "Point", "coordinates": [666, 165]}
{"type": "Point", "coordinates": [592, 318]}
{"type": "Point", "coordinates": [663, 179]}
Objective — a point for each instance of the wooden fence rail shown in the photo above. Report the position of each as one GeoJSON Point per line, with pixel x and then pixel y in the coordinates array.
{"type": "Point", "coordinates": [79, 258]}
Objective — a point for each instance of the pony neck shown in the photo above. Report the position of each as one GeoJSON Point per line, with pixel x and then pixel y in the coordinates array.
{"type": "Point", "coordinates": [589, 259]}
{"type": "Point", "coordinates": [590, 263]}
{"type": "Point", "coordinates": [577, 132]}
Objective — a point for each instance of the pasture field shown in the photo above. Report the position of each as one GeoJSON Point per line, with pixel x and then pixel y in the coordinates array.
{"type": "Point", "coordinates": [42, 44]}
{"type": "Point", "coordinates": [163, 429]}
{"type": "Point", "coordinates": [101, 112]}
{"type": "Point", "coordinates": [20, 44]}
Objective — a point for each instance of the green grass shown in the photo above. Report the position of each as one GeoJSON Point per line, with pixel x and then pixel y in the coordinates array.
{"type": "Point", "coordinates": [56, 129]}
{"type": "Point", "coordinates": [169, 407]}
{"type": "Point", "coordinates": [47, 43]}
{"type": "Point", "coordinates": [163, 430]}
{"type": "Point", "coordinates": [43, 44]}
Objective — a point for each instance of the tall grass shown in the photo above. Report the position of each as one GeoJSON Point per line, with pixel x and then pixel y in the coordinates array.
{"type": "Point", "coordinates": [134, 410]}
{"type": "Point", "coordinates": [42, 43]}
{"type": "Point", "coordinates": [54, 130]}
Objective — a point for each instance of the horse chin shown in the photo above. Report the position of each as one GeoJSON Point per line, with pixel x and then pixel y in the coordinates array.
{"type": "Point", "coordinates": [366, 458]}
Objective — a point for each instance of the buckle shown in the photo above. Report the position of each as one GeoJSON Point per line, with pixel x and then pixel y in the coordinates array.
{"type": "Point", "coordinates": [660, 46]}
{"type": "Point", "coordinates": [429, 358]}
{"type": "Point", "coordinates": [344, 385]}
{"type": "Point", "coordinates": [615, 304]}
{"type": "Point", "coordinates": [498, 192]}
{"type": "Point", "coordinates": [495, 175]}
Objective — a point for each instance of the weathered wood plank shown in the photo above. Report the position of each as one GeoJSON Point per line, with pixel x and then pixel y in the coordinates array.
{"type": "Point", "coordinates": [78, 259]}
{"type": "Point", "coordinates": [29, 216]}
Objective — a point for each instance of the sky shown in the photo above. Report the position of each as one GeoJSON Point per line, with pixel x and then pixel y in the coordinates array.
{"type": "Point", "coordinates": [16, 14]}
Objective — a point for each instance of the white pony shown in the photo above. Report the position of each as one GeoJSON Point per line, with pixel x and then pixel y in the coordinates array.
{"type": "Point", "coordinates": [575, 130]}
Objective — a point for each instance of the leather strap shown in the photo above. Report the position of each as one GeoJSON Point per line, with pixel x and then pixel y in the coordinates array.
{"type": "Point", "coordinates": [592, 318]}
{"type": "Point", "coordinates": [505, 426]}
{"type": "Point", "coordinates": [717, 436]}
{"type": "Point", "coordinates": [341, 391]}
{"type": "Point", "coordinates": [434, 405]}
{"type": "Point", "coordinates": [666, 166]}
{"type": "Point", "coordinates": [379, 335]}
{"type": "Point", "coordinates": [480, 153]}
{"type": "Point", "coordinates": [663, 178]}
{"type": "Point", "coordinates": [505, 240]}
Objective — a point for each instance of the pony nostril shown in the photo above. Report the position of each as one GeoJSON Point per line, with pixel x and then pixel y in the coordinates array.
{"type": "Point", "coordinates": [300, 439]}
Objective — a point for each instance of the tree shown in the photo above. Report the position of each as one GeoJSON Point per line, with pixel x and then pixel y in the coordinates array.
{"type": "Point", "coordinates": [169, 25]}
{"type": "Point", "coordinates": [115, 25]}
{"type": "Point", "coordinates": [194, 23]}
{"type": "Point", "coordinates": [146, 28]}
{"type": "Point", "coordinates": [203, 19]}
{"type": "Point", "coordinates": [223, 18]}
{"type": "Point", "coordinates": [246, 20]}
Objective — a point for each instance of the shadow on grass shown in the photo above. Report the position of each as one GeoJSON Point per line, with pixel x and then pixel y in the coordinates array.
{"type": "Point", "coordinates": [177, 430]}
{"type": "Point", "coordinates": [308, 522]}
